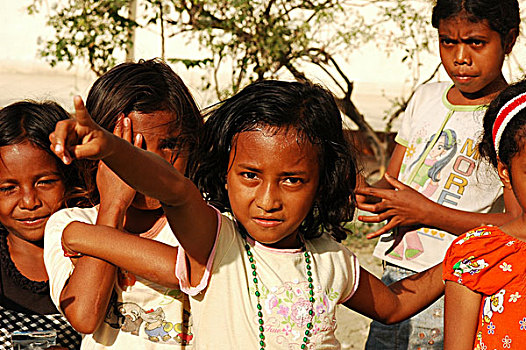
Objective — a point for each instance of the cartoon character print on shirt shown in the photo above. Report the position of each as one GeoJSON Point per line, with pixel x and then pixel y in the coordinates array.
{"type": "Point", "coordinates": [429, 173]}
{"type": "Point", "coordinates": [425, 180]}
{"type": "Point", "coordinates": [424, 170]}
{"type": "Point", "coordinates": [287, 311]}
{"type": "Point", "coordinates": [472, 234]}
{"type": "Point", "coordinates": [493, 303]}
{"type": "Point", "coordinates": [469, 265]}
{"type": "Point", "coordinates": [152, 324]}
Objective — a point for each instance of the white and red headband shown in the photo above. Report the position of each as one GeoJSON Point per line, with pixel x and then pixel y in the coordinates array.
{"type": "Point", "coordinates": [505, 115]}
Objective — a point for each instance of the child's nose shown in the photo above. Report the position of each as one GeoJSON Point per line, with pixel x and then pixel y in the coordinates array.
{"type": "Point", "coordinates": [462, 55]}
{"type": "Point", "coordinates": [30, 199]}
{"type": "Point", "coordinates": [268, 198]}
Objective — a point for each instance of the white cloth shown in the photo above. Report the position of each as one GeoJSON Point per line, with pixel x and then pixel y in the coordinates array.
{"type": "Point", "coordinates": [225, 309]}
{"type": "Point", "coordinates": [450, 174]}
{"type": "Point", "coordinates": [144, 315]}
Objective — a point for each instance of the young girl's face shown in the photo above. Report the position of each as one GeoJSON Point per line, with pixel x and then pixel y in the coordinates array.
{"type": "Point", "coordinates": [472, 55]}
{"type": "Point", "coordinates": [160, 137]}
{"type": "Point", "coordinates": [272, 183]}
{"type": "Point", "coordinates": [31, 189]}
{"type": "Point", "coordinates": [439, 148]}
{"type": "Point", "coordinates": [514, 176]}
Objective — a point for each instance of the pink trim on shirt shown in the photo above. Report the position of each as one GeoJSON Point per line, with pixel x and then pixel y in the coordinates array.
{"type": "Point", "coordinates": [156, 228]}
{"type": "Point", "coordinates": [356, 280]}
{"type": "Point", "coordinates": [181, 268]}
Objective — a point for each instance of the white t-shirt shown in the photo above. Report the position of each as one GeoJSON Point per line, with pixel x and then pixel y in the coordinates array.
{"type": "Point", "coordinates": [447, 169]}
{"type": "Point", "coordinates": [141, 314]}
{"type": "Point", "coordinates": [224, 304]}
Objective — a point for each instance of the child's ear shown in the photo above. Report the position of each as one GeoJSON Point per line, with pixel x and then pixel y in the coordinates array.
{"type": "Point", "coordinates": [504, 174]}
{"type": "Point", "coordinates": [511, 37]}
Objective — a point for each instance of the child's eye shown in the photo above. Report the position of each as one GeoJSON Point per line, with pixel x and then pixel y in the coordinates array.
{"type": "Point", "coordinates": [476, 43]}
{"type": "Point", "coordinates": [293, 181]}
{"type": "Point", "coordinates": [447, 42]}
{"type": "Point", "coordinates": [47, 182]}
{"type": "Point", "coordinates": [249, 175]}
{"type": "Point", "coordinates": [171, 144]}
{"type": "Point", "coordinates": [172, 147]}
{"type": "Point", "coordinates": [7, 189]}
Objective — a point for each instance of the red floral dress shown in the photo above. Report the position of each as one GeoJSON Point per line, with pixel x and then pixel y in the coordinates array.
{"type": "Point", "coordinates": [490, 262]}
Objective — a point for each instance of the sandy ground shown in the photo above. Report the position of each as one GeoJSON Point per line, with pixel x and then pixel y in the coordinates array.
{"type": "Point", "coordinates": [352, 327]}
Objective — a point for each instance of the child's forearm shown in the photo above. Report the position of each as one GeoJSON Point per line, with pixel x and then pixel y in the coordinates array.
{"type": "Point", "coordinates": [458, 221]}
{"type": "Point", "coordinates": [147, 172]}
{"type": "Point", "coordinates": [84, 299]}
{"type": "Point", "coordinates": [406, 207]}
{"type": "Point", "coordinates": [149, 259]}
{"type": "Point", "coordinates": [414, 293]}
{"type": "Point", "coordinates": [399, 301]}
{"type": "Point", "coordinates": [84, 307]}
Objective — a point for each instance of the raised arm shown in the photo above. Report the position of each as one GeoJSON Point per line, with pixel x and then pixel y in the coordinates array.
{"type": "Point", "coordinates": [193, 222]}
{"type": "Point", "coordinates": [84, 307]}
{"type": "Point", "coordinates": [398, 301]}
{"type": "Point", "coordinates": [84, 299]}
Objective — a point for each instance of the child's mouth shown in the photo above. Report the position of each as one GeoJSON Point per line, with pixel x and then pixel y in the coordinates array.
{"type": "Point", "coordinates": [267, 222]}
{"type": "Point", "coordinates": [32, 221]}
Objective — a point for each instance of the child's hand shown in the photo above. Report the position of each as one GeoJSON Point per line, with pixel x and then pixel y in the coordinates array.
{"type": "Point", "coordinates": [113, 191]}
{"type": "Point", "coordinates": [80, 137]}
{"type": "Point", "coordinates": [361, 198]}
{"type": "Point", "coordinates": [402, 206]}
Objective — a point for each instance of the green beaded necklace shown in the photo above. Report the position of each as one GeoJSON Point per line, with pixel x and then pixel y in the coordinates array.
{"type": "Point", "coordinates": [261, 323]}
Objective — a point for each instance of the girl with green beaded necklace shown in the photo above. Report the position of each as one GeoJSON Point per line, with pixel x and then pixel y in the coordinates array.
{"type": "Point", "coordinates": [269, 272]}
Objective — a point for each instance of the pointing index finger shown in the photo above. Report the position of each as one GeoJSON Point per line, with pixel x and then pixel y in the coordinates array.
{"type": "Point", "coordinates": [81, 113]}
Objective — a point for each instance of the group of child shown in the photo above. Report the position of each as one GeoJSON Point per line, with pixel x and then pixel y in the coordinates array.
{"type": "Point", "coordinates": [145, 227]}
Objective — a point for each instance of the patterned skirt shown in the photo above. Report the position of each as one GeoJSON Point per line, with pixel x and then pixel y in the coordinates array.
{"type": "Point", "coordinates": [12, 321]}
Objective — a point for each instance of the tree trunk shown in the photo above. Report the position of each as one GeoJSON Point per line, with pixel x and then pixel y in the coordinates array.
{"type": "Point", "coordinates": [130, 50]}
{"type": "Point", "coordinates": [378, 146]}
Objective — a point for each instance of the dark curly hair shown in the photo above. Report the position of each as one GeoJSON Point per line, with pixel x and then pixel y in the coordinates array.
{"type": "Point", "coordinates": [502, 15]}
{"type": "Point", "coordinates": [513, 138]}
{"type": "Point", "coordinates": [310, 110]}
{"type": "Point", "coordinates": [144, 87]}
{"type": "Point", "coordinates": [33, 121]}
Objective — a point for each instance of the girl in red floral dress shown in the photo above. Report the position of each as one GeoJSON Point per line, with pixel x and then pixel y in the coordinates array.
{"type": "Point", "coordinates": [485, 268]}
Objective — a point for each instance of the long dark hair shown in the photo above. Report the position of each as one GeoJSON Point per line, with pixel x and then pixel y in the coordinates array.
{"type": "Point", "coordinates": [145, 87]}
{"type": "Point", "coordinates": [33, 121]}
{"type": "Point", "coordinates": [310, 110]}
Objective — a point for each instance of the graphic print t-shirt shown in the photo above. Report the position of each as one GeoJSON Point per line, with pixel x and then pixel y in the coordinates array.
{"type": "Point", "coordinates": [443, 163]}
{"type": "Point", "coordinates": [141, 314]}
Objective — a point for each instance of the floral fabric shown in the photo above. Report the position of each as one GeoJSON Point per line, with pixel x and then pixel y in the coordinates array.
{"type": "Point", "coordinates": [491, 262]}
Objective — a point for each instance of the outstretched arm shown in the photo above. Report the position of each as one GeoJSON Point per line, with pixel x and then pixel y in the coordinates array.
{"type": "Point", "coordinates": [193, 222]}
{"type": "Point", "coordinates": [398, 301]}
{"type": "Point", "coordinates": [462, 307]}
